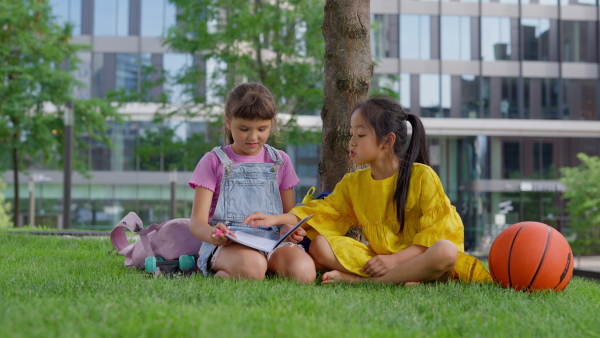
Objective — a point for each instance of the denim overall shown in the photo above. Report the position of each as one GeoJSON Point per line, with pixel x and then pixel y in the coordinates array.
{"type": "Point", "coordinates": [245, 189]}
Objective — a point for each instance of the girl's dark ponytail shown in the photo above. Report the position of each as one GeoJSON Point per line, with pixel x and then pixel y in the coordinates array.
{"type": "Point", "coordinates": [417, 152]}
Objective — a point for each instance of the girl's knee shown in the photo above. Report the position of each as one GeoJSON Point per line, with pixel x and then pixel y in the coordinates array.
{"type": "Point", "coordinates": [304, 271]}
{"type": "Point", "coordinates": [252, 267]}
{"type": "Point", "coordinates": [320, 250]}
{"type": "Point", "coordinates": [445, 254]}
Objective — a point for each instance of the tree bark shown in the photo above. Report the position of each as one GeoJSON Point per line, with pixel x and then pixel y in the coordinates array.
{"type": "Point", "coordinates": [347, 73]}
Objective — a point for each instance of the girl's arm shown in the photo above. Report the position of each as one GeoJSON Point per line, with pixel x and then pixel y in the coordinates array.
{"type": "Point", "coordinates": [287, 199]}
{"type": "Point", "coordinates": [261, 219]}
{"type": "Point", "coordinates": [381, 264]}
{"type": "Point", "coordinates": [199, 219]}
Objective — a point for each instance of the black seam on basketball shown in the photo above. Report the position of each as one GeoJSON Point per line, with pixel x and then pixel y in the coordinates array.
{"type": "Point", "coordinates": [564, 274]}
{"type": "Point", "coordinates": [542, 259]}
{"type": "Point", "coordinates": [510, 252]}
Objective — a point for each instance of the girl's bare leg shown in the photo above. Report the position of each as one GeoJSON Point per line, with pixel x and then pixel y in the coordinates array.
{"type": "Point", "coordinates": [293, 262]}
{"type": "Point", "coordinates": [435, 264]}
{"type": "Point", "coordinates": [321, 252]}
{"type": "Point", "coordinates": [239, 261]}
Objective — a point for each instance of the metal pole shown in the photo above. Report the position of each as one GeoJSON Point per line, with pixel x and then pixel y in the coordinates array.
{"type": "Point", "coordinates": [173, 177]}
{"type": "Point", "coordinates": [31, 202]}
{"type": "Point", "coordinates": [68, 165]}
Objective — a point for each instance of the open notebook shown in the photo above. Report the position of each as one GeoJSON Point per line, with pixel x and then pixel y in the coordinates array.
{"type": "Point", "coordinates": [263, 244]}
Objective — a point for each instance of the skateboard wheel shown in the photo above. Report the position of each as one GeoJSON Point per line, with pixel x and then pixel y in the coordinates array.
{"type": "Point", "coordinates": [186, 262]}
{"type": "Point", "coordinates": [160, 259]}
{"type": "Point", "coordinates": [150, 264]}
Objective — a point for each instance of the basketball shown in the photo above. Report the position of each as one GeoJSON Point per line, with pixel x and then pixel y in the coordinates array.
{"type": "Point", "coordinates": [531, 256]}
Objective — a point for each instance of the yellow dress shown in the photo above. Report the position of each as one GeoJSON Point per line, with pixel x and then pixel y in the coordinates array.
{"type": "Point", "coordinates": [359, 200]}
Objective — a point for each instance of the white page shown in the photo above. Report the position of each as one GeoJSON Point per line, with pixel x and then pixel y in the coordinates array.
{"type": "Point", "coordinates": [263, 244]}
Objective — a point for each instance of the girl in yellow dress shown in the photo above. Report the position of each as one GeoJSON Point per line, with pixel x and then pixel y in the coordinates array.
{"type": "Point", "coordinates": [413, 232]}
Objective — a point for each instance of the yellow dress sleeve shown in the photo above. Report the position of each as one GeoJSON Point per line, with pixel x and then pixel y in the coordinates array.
{"type": "Point", "coordinates": [334, 215]}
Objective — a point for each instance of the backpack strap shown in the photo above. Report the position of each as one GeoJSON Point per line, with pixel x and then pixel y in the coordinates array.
{"type": "Point", "coordinates": [117, 235]}
{"type": "Point", "coordinates": [119, 239]}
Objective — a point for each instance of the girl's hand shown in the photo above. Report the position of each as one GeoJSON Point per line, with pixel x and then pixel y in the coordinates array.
{"type": "Point", "coordinates": [259, 219]}
{"type": "Point", "coordinates": [295, 236]}
{"type": "Point", "coordinates": [379, 265]}
{"type": "Point", "coordinates": [220, 239]}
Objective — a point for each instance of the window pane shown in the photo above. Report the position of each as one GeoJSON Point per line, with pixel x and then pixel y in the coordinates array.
{"type": "Point", "coordinates": [84, 75]}
{"type": "Point", "coordinates": [98, 75]}
{"type": "Point", "coordinates": [68, 11]}
{"type": "Point", "coordinates": [380, 46]}
{"type": "Point", "coordinates": [446, 94]}
{"type": "Point", "coordinates": [469, 89]}
{"type": "Point", "coordinates": [415, 37]}
{"type": "Point", "coordinates": [127, 70]}
{"type": "Point", "coordinates": [152, 17]}
{"type": "Point", "coordinates": [511, 153]}
{"type": "Point", "coordinates": [495, 38]}
{"type": "Point", "coordinates": [456, 38]}
{"type": "Point", "coordinates": [538, 39]}
{"type": "Point", "coordinates": [111, 18]}
{"type": "Point", "coordinates": [550, 92]}
{"type": "Point", "coordinates": [509, 102]}
{"type": "Point", "coordinates": [385, 84]}
{"type": "Point", "coordinates": [580, 99]}
{"type": "Point", "coordinates": [405, 90]}
{"type": "Point", "coordinates": [429, 95]}
{"type": "Point", "coordinates": [174, 64]}
{"type": "Point", "coordinates": [578, 41]}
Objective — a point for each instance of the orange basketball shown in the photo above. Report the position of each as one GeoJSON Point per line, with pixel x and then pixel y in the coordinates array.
{"type": "Point", "coordinates": [531, 256]}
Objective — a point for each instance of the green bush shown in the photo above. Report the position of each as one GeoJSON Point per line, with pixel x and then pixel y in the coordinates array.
{"type": "Point", "coordinates": [4, 209]}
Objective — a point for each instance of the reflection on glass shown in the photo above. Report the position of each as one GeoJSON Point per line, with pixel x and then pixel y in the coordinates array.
{"type": "Point", "coordinates": [429, 95]}
{"type": "Point", "coordinates": [579, 99]}
{"type": "Point", "coordinates": [157, 16]}
{"type": "Point", "coordinates": [509, 100]}
{"type": "Point", "coordinates": [511, 155]}
{"type": "Point", "coordinates": [543, 158]}
{"type": "Point", "coordinates": [549, 98]}
{"type": "Point", "coordinates": [380, 46]}
{"type": "Point", "coordinates": [536, 39]}
{"type": "Point", "coordinates": [67, 11]}
{"type": "Point", "coordinates": [98, 75]}
{"type": "Point", "coordinates": [548, 2]}
{"type": "Point", "coordinates": [83, 74]}
{"type": "Point", "coordinates": [469, 96]}
{"type": "Point", "coordinates": [495, 38]}
{"type": "Point", "coordinates": [578, 41]}
{"type": "Point", "coordinates": [385, 84]}
{"type": "Point", "coordinates": [127, 71]}
{"type": "Point", "coordinates": [405, 91]}
{"type": "Point", "coordinates": [415, 37]}
{"type": "Point", "coordinates": [456, 37]}
{"type": "Point", "coordinates": [174, 65]}
{"type": "Point", "coordinates": [111, 18]}
{"type": "Point", "coordinates": [446, 95]}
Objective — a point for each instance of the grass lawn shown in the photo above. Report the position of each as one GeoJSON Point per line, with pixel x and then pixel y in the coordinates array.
{"type": "Point", "coordinates": [78, 287]}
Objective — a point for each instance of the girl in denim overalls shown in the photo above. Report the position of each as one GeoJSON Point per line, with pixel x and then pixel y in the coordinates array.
{"type": "Point", "coordinates": [232, 182]}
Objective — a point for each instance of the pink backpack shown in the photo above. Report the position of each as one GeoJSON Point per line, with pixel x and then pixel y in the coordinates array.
{"type": "Point", "coordinates": [167, 247]}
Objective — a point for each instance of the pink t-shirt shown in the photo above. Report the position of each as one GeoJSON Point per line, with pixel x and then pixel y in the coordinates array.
{"type": "Point", "coordinates": [209, 171]}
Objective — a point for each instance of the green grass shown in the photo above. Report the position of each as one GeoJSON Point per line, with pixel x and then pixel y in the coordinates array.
{"type": "Point", "coordinates": [78, 287]}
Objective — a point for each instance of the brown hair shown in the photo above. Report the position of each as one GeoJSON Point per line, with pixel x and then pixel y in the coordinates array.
{"type": "Point", "coordinates": [250, 101]}
{"type": "Point", "coordinates": [385, 115]}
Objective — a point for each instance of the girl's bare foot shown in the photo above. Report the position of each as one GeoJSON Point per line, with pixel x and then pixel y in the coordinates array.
{"type": "Point", "coordinates": [411, 283]}
{"type": "Point", "coordinates": [222, 274]}
{"type": "Point", "coordinates": [335, 276]}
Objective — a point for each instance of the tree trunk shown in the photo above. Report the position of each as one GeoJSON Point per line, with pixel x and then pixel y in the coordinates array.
{"type": "Point", "coordinates": [17, 207]}
{"type": "Point", "coordinates": [347, 73]}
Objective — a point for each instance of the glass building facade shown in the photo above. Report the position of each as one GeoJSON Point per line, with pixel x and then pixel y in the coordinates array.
{"type": "Point", "coordinates": [507, 89]}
